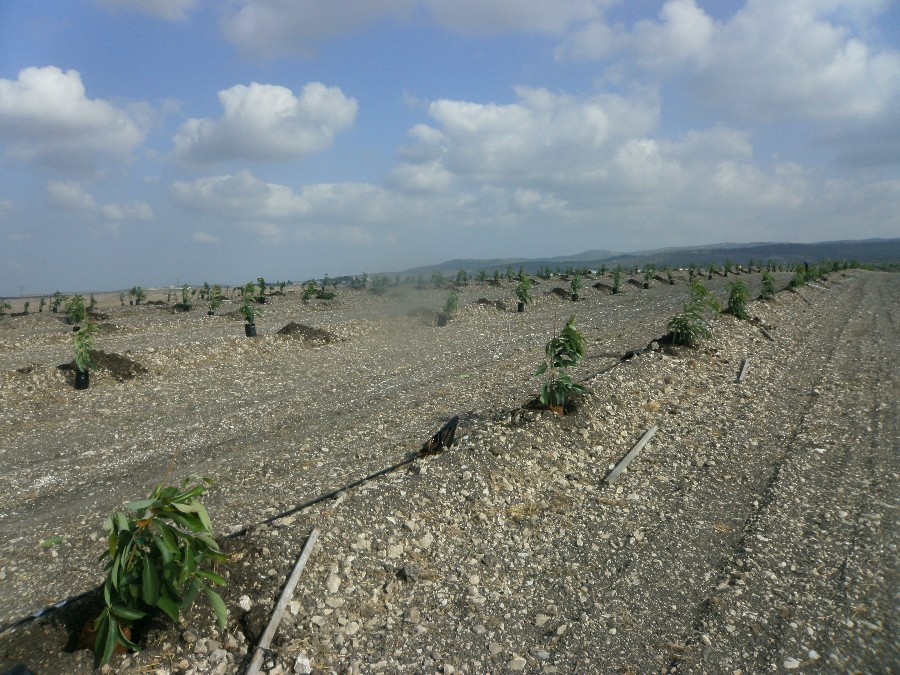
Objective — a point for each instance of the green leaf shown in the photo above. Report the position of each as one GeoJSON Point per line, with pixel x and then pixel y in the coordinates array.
{"type": "Point", "coordinates": [150, 582]}
{"type": "Point", "coordinates": [218, 605]}
{"type": "Point", "coordinates": [541, 370]}
{"type": "Point", "coordinates": [126, 613]}
{"type": "Point", "coordinates": [192, 524]}
{"type": "Point", "coordinates": [211, 576]}
{"type": "Point", "coordinates": [122, 521]}
{"type": "Point", "coordinates": [188, 566]}
{"type": "Point", "coordinates": [139, 505]}
{"type": "Point", "coordinates": [204, 517]}
{"type": "Point", "coordinates": [163, 549]}
{"type": "Point", "coordinates": [52, 541]}
{"type": "Point", "coordinates": [165, 603]}
{"type": "Point", "coordinates": [190, 594]}
{"type": "Point", "coordinates": [106, 639]}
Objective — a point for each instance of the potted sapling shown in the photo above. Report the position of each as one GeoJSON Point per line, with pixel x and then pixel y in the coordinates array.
{"type": "Point", "coordinates": [617, 280]}
{"type": "Point", "coordinates": [83, 342]}
{"type": "Point", "coordinates": [247, 310]}
{"type": "Point", "coordinates": [76, 311]}
{"type": "Point", "coordinates": [575, 285]}
{"type": "Point", "coordinates": [55, 301]}
{"type": "Point", "coordinates": [670, 276]}
{"type": "Point", "coordinates": [215, 300]}
{"type": "Point", "coordinates": [523, 292]}
{"type": "Point", "coordinates": [648, 275]}
{"type": "Point", "coordinates": [261, 298]}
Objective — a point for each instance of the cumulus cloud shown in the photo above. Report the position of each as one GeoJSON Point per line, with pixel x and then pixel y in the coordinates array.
{"type": "Point", "coordinates": [45, 116]}
{"type": "Point", "coordinates": [265, 121]}
{"type": "Point", "coordinates": [132, 212]}
{"type": "Point", "coordinates": [491, 16]}
{"type": "Point", "coordinates": [772, 60]}
{"type": "Point", "coordinates": [544, 138]}
{"type": "Point", "coordinates": [272, 209]}
{"type": "Point", "coordinates": [272, 28]}
{"type": "Point", "coordinates": [69, 196]}
{"type": "Point", "coordinates": [172, 10]}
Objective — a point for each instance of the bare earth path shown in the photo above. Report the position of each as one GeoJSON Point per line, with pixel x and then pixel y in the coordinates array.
{"type": "Point", "coordinates": [757, 531]}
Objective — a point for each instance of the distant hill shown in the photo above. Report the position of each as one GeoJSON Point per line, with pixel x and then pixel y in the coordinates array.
{"type": "Point", "coordinates": [862, 251]}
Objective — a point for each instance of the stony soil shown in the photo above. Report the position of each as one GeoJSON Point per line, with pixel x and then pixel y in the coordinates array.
{"type": "Point", "coordinates": [756, 532]}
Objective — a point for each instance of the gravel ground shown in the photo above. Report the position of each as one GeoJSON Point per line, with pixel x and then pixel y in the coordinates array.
{"type": "Point", "coordinates": [756, 532]}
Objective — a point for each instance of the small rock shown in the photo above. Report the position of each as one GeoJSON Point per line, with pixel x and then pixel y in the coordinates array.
{"type": "Point", "coordinates": [245, 603]}
{"type": "Point", "coordinates": [791, 664]}
{"type": "Point", "coordinates": [333, 583]}
{"type": "Point", "coordinates": [302, 666]}
{"type": "Point", "coordinates": [516, 663]}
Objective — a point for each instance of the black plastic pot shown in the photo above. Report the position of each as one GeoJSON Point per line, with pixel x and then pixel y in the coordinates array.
{"type": "Point", "coordinates": [261, 300]}
{"type": "Point", "coordinates": [521, 307]}
{"type": "Point", "coordinates": [250, 329]}
{"type": "Point", "coordinates": [210, 312]}
{"type": "Point", "coordinates": [82, 379]}
{"type": "Point", "coordinates": [442, 319]}
{"type": "Point", "coordinates": [574, 297]}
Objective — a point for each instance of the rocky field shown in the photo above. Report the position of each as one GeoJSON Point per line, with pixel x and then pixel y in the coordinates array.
{"type": "Point", "coordinates": [756, 532]}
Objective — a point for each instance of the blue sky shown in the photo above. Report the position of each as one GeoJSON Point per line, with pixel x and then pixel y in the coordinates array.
{"type": "Point", "coordinates": [152, 142]}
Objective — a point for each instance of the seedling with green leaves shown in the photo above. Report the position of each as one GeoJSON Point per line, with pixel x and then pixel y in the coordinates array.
{"type": "Point", "coordinates": [452, 303]}
{"type": "Point", "coordinates": [689, 327]}
{"type": "Point", "coordinates": [160, 550]}
{"type": "Point", "coordinates": [768, 285]}
{"type": "Point", "coordinates": [76, 311]}
{"type": "Point", "coordinates": [575, 284]}
{"type": "Point", "coordinates": [563, 352]}
{"type": "Point", "coordinates": [83, 342]}
{"type": "Point", "coordinates": [56, 300]}
{"type": "Point", "coordinates": [737, 299]}
{"type": "Point", "coordinates": [523, 290]}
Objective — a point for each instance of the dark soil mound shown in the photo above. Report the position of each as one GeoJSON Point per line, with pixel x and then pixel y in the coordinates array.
{"type": "Point", "coordinates": [307, 333]}
{"type": "Point", "coordinates": [120, 367]}
{"type": "Point", "coordinates": [562, 293]}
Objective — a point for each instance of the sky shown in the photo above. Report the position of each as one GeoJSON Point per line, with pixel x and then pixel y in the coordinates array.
{"type": "Point", "coordinates": [159, 142]}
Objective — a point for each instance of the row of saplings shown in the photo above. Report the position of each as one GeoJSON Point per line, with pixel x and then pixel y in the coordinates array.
{"type": "Point", "coordinates": [161, 551]}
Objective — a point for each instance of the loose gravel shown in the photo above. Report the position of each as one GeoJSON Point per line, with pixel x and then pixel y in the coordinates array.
{"type": "Point", "coordinates": [756, 532]}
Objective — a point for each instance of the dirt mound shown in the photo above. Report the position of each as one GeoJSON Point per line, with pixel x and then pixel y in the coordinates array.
{"type": "Point", "coordinates": [298, 331]}
{"type": "Point", "coordinates": [562, 293]}
{"type": "Point", "coordinates": [120, 367]}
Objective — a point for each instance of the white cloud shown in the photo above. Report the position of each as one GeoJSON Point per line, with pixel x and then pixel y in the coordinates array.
{"type": "Point", "coordinates": [543, 137]}
{"type": "Point", "coordinates": [495, 16]}
{"type": "Point", "coordinates": [45, 116]}
{"type": "Point", "coordinates": [5, 206]}
{"type": "Point", "coordinates": [275, 27]}
{"type": "Point", "coordinates": [173, 10]}
{"type": "Point", "coordinates": [683, 35]}
{"type": "Point", "coordinates": [133, 212]}
{"type": "Point", "coordinates": [272, 28]}
{"type": "Point", "coordinates": [205, 238]}
{"type": "Point", "coordinates": [244, 198]}
{"type": "Point", "coordinates": [69, 196]}
{"type": "Point", "coordinates": [264, 121]}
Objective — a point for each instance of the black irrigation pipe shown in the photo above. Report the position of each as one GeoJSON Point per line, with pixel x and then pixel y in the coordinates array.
{"type": "Point", "coordinates": [442, 439]}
